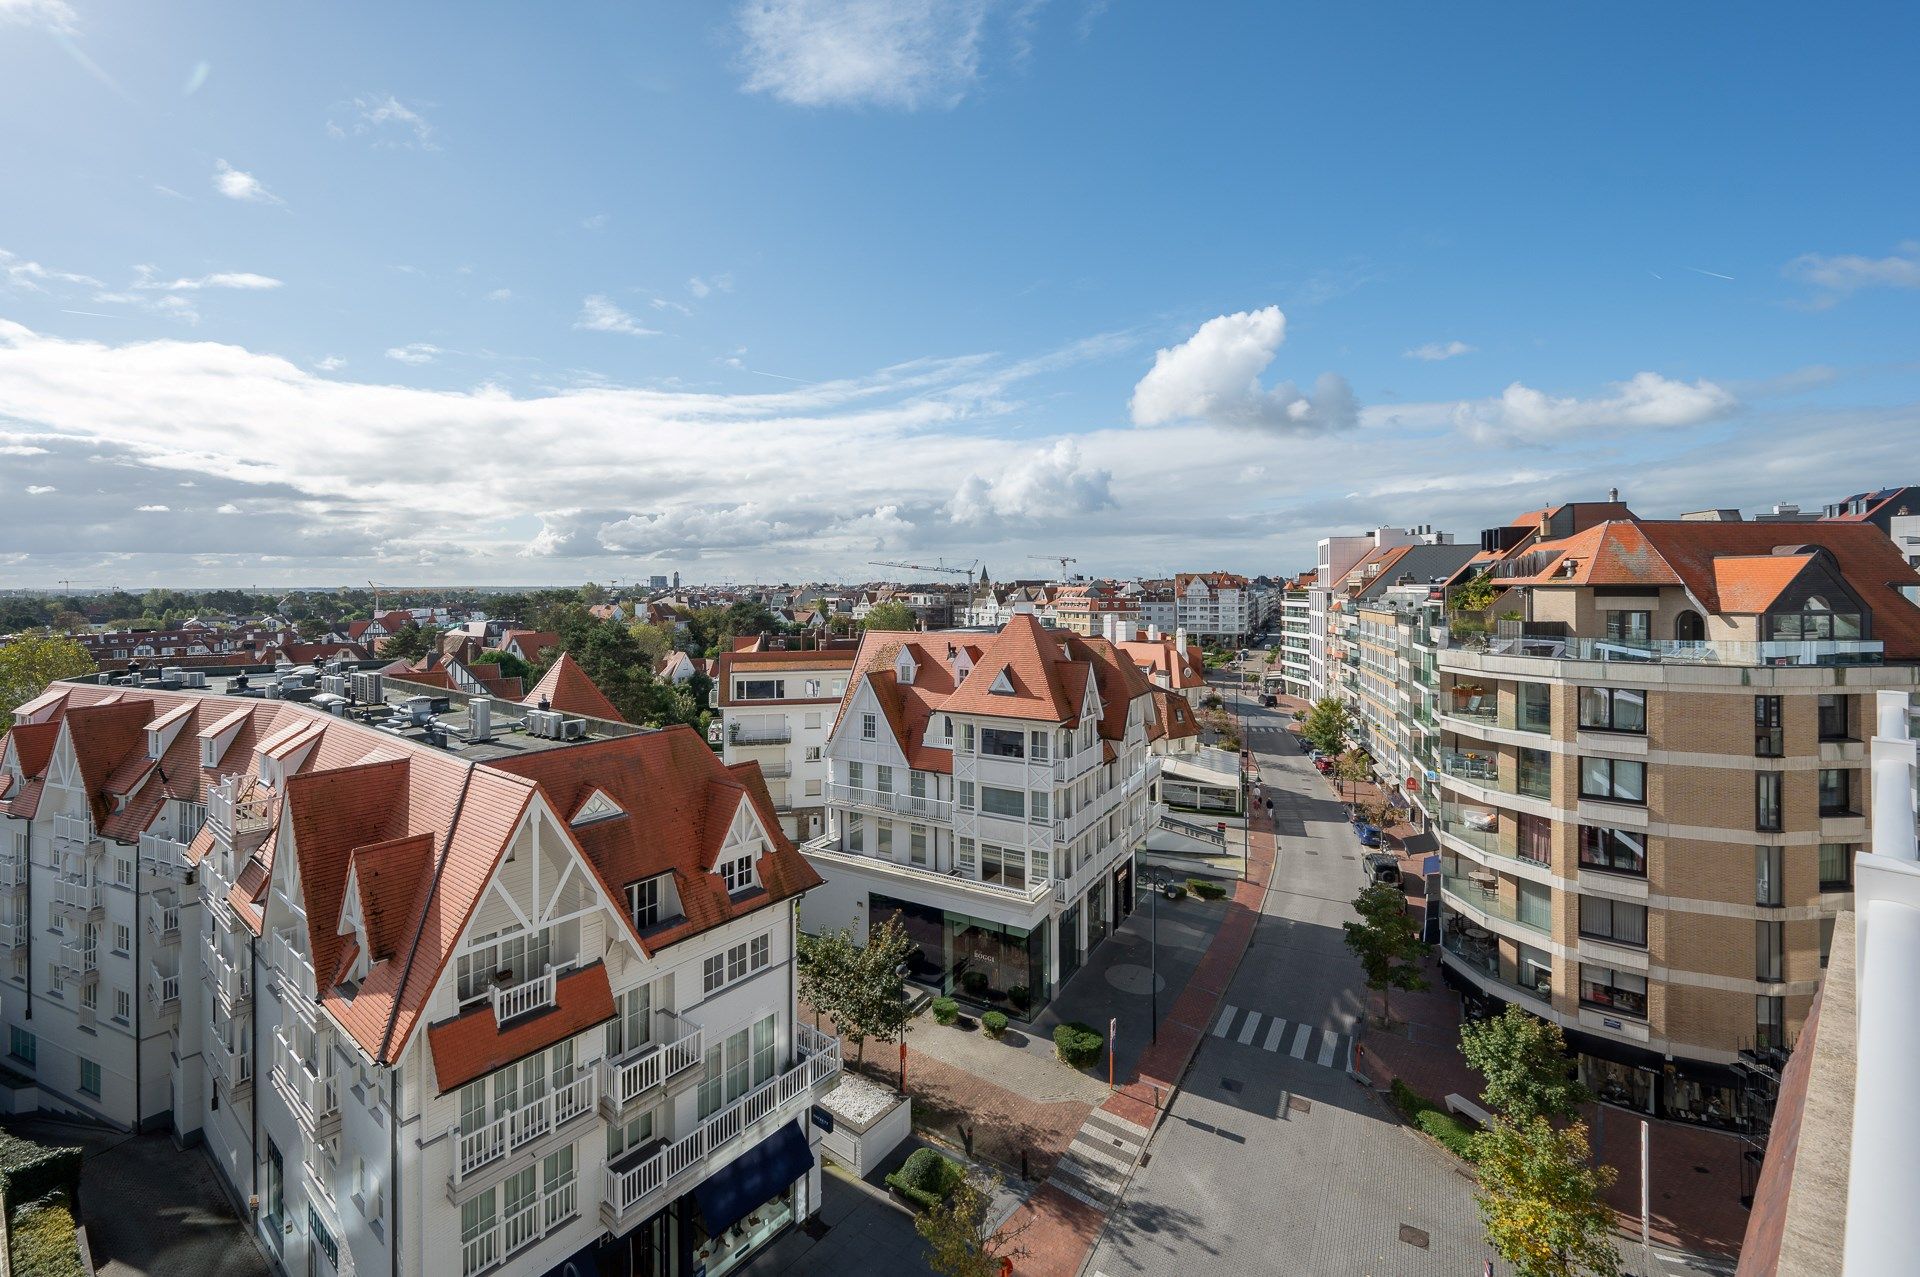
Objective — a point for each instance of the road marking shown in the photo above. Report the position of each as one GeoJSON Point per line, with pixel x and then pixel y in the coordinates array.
{"type": "Point", "coordinates": [1226, 1020]}
{"type": "Point", "coordinates": [1251, 1027]}
{"type": "Point", "coordinates": [1300, 1040]}
{"type": "Point", "coordinates": [1274, 1030]}
{"type": "Point", "coordinates": [1327, 1045]}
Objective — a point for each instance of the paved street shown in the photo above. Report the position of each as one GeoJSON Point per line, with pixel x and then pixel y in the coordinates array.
{"type": "Point", "coordinates": [1271, 1160]}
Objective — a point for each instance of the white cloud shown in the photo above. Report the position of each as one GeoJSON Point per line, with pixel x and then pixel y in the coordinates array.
{"type": "Point", "coordinates": [152, 509]}
{"type": "Point", "coordinates": [896, 53]}
{"type": "Point", "coordinates": [40, 489]}
{"type": "Point", "coordinates": [699, 287]}
{"type": "Point", "coordinates": [228, 508]}
{"type": "Point", "coordinates": [243, 281]}
{"type": "Point", "coordinates": [53, 15]}
{"type": "Point", "coordinates": [1214, 376]}
{"type": "Point", "coordinates": [1849, 273]}
{"type": "Point", "coordinates": [596, 222]}
{"type": "Point", "coordinates": [1434, 351]}
{"type": "Point", "coordinates": [331, 363]}
{"type": "Point", "coordinates": [416, 352]}
{"type": "Point", "coordinates": [386, 120]}
{"type": "Point", "coordinates": [32, 277]}
{"type": "Point", "coordinates": [237, 185]}
{"type": "Point", "coordinates": [1646, 401]}
{"type": "Point", "coordinates": [1050, 483]}
{"type": "Point", "coordinates": [599, 314]}
{"type": "Point", "coordinates": [500, 295]}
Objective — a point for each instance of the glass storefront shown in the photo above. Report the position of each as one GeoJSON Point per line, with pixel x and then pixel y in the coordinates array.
{"type": "Point", "coordinates": [1099, 913]}
{"type": "Point", "coordinates": [1676, 1091]}
{"type": "Point", "coordinates": [723, 1254]}
{"type": "Point", "coordinates": [1620, 1084]}
{"type": "Point", "coordinates": [1070, 952]}
{"type": "Point", "coordinates": [986, 963]}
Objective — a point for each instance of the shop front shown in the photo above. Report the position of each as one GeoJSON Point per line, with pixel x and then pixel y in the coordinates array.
{"type": "Point", "coordinates": [1678, 1090]}
{"type": "Point", "coordinates": [989, 964]}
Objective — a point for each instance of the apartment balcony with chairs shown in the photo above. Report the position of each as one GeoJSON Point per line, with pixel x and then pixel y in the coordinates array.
{"type": "Point", "coordinates": [165, 857]}
{"type": "Point", "coordinates": [312, 1095]}
{"type": "Point", "coordinates": [634, 1192]}
{"type": "Point", "coordinates": [231, 983]}
{"type": "Point", "coordinates": [1482, 959]}
{"type": "Point", "coordinates": [1478, 834]}
{"type": "Point", "coordinates": [1475, 892]}
{"type": "Point", "coordinates": [564, 1104]}
{"type": "Point", "coordinates": [1480, 768]}
{"type": "Point", "coordinates": [642, 1074]}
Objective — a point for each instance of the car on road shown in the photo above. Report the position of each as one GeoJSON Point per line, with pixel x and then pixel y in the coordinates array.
{"type": "Point", "coordinates": [1369, 835]}
{"type": "Point", "coordinates": [1323, 765]}
{"type": "Point", "coordinates": [1383, 866]}
{"type": "Point", "coordinates": [1269, 700]}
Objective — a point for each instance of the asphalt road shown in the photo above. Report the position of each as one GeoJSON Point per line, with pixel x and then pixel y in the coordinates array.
{"type": "Point", "coordinates": [1272, 1160]}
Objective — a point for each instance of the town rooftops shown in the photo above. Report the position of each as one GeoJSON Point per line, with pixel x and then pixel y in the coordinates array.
{"type": "Point", "coordinates": [566, 687]}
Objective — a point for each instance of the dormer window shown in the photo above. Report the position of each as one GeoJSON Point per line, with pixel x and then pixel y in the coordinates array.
{"type": "Point", "coordinates": [904, 669]}
{"type": "Point", "coordinates": [1002, 685]}
{"type": "Point", "coordinates": [597, 807]}
{"type": "Point", "coordinates": [737, 874]}
{"type": "Point", "coordinates": [647, 901]}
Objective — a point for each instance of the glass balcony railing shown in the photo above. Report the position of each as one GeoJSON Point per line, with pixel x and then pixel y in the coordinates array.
{"type": "Point", "coordinates": [1675, 651]}
{"type": "Point", "coordinates": [1482, 769]}
{"type": "Point", "coordinates": [1479, 890]}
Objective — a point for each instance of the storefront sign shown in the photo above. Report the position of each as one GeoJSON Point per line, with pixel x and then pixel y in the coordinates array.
{"type": "Point", "coordinates": [1611, 1024]}
{"type": "Point", "coordinates": [822, 1118]}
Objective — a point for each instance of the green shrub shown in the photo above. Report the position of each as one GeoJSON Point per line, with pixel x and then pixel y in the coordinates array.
{"type": "Point", "coordinates": [1450, 1131]}
{"type": "Point", "coordinates": [927, 1178]}
{"type": "Point", "coordinates": [1019, 995]}
{"type": "Point", "coordinates": [29, 1171]}
{"type": "Point", "coordinates": [994, 1022]}
{"type": "Point", "coordinates": [946, 1010]}
{"type": "Point", "coordinates": [1205, 889]}
{"type": "Point", "coordinates": [43, 1239]}
{"type": "Point", "coordinates": [1076, 1044]}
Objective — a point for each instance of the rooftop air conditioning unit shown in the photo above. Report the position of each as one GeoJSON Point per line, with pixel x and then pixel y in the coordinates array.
{"type": "Point", "coordinates": [334, 685]}
{"type": "Point", "coordinates": [369, 687]}
{"type": "Point", "coordinates": [544, 723]}
{"type": "Point", "coordinates": [172, 676]}
{"type": "Point", "coordinates": [419, 710]}
{"type": "Point", "coordinates": [196, 678]}
{"type": "Point", "coordinates": [573, 729]}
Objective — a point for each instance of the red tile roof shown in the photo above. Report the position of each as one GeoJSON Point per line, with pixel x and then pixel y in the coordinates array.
{"type": "Point", "coordinates": [566, 687]}
{"type": "Point", "coordinates": [530, 642]}
{"type": "Point", "coordinates": [1035, 670]}
{"type": "Point", "coordinates": [473, 1045]}
{"type": "Point", "coordinates": [1752, 583]}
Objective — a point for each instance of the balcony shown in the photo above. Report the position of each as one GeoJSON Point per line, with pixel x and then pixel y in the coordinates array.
{"type": "Point", "coordinates": [164, 992]}
{"type": "Point", "coordinates": [1481, 769]}
{"type": "Point", "coordinates": [1486, 839]}
{"type": "Point", "coordinates": [747, 737]}
{"type": "Point", "coordinates": [640, 1073]}
{"type": "Point", "coordinates": [74, 835]}
{"type": "Point", "coordinates": [891, 802]}
{"type": "Point", "coordinates": [637, 1191]}
{"type": "Point", "coordinates": [80, 961]}
{"type": "Point", "coordinates": [1477, 896]}
{"type": "Point", "coordinates": [292, 971]}
{"type": "Point", "coordinates": [13, 935]}
{"type": "Point", "coordinates": [236, 811]}
{"type": "Point", "coordinates": [906, 875]}
{"type": "Point", "coordinates": [1825, 652]}
{"type": "Point", "coordinates": [231, 1065]}
{"type": "Point", "coordinates": [163, 857]}
{"type": "Point", "coordinates": [1483, 960]}
{"type": "Point", "coordinates": [528, 996]}
{"type": "Point", "coordinates": [475, 1150]}
{"type": "Point", "coordinates": [515, 1232]}
{"type": "Point", "coordinates": [79, 895]}
{"type": "Point", "coordinates": [312, 1097]}
{"type": "Point", "coordinates": [163, 920]}
{"type": "Point", "coordinates": [14, 874]}
{"type": "Point", "coordinates": [232, 985]}
{"type": "Point", "coordinates": [776, 771]}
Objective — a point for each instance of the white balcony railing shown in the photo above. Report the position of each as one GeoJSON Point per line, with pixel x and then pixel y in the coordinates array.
{"type": "Point", "coordinates": [529, 995]}
{"type": "Point", "coordinates": [231, 983]}
{"type": "Point", "coordinates": [233, 1065]}
{"type": "Point", "coordinates": [891, 801]}
{"type": "Point", "coordinates": [14, 874]}
{"type": "Point", "coordinates": [631, 1189]}
{"type": "Point", "coordinates": [74, 833]}
{"type": "Point", "coordinates": [163, 923]}
{"type": "Point", "coordinates": [625, 1080]}
{"type": "Point", "coordinates": [313, 1096]}
{"type": "Point", "coordinates": [472, 1150]}
{"type": "Point", "coordinates": [12, 935]}
{"type": "Point", "coordinates": [235, 808]}
{"type": "Point", "coordinates": [80, 960]}
{"type": "Point", "coordinates": [517, 1231]}
{"type": "Point", "coordinates": [163, 856]}
{"type": "Point", "coordinates": [163, 991]}
{"type": "Point", "coordinates": [292, 969]}
{"type": "Point", "coordinates": [82, 894]}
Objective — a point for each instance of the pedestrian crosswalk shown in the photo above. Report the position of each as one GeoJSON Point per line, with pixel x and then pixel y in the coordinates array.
{"type": "Point", "coordinates": [1095, 1167]}
{"type": "Point", "coordinates": [1324, 1047]}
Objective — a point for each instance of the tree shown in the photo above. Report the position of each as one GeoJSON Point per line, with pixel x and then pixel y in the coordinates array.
{"type": "Point", "coordinates": [1475, 595]}
{"type": "Point", "coordinates": [654, 640]}
{"type": "Point", "coordinates": [408, 643]}
{"type": "Point", "coordinates": [892, 616]}
{"type": "Point", "coordinates": [1540, 1197]}
{"type": "Point", "coordinates": [1326, 725]}
{"type": "Point", "coordinates": [825, 962]}
{"type": "Point", "coordinates": [510, 665]}
{"type": "Point", "coordinates": [1387, 941]}
{"type": "Point", "coordinates": [27, 665]}
{"type": "Point", "coordinates": [859, 986]}
{"type": "Point", "coordinates": [1524, 1060]}
{"type": "Point", "coordinates": [1353, 767]}
{"type": "Point", "coordinates": [961, 1241]}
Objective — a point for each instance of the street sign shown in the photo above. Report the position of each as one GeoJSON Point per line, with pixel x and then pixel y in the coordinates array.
{"type": "Point", "coordinates": [822, 1118]}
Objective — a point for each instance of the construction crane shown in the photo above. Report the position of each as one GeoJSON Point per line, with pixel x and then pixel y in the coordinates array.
{"type": "Point", "coordinates": [941, 568]}
{"type": "Point", "coordinates": [1061, 559]}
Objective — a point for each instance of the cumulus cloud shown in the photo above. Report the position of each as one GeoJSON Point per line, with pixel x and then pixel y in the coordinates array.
{"type": "Point", "coordinates": [414, 352]}
{"type": "Point", "coordinates": [598, 314]}
{"type": "Point", "coordinates": [1646, 401]}
{"type": "Point", "coordinates": [40, 489]}
{"type": "Point", "coordinates": [52, 15]}
{"type": "Point", "coordinates": [894, 53]}
{"type": "Point", "coordinates": [237, 185]}
{"type": "Point", "coordinates": [500, 295]}
{"type": "Point", "coordinates": [1848, 273]}
{"type": "Point", "coordinates": [386, 121]}
{"type": "Point", "coordinates": [1214, 376]}
{"type": "Point", "coordinates": [1435, 351]}
{"type": "Point", "coordinates": [1049, 483]}
{"type": "Point", "coordinates": [152, 509]}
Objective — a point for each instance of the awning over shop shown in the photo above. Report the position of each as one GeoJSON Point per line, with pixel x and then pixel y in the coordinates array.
{"type": "Point", "coordinates": [753, 1178]}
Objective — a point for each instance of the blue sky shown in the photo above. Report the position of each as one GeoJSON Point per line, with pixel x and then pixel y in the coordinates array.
{"type": "Point", "coordinates": [516, 294]}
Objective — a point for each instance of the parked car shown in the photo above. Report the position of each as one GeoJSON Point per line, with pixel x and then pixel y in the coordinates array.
{"type": "Point", "coordinates": [1369, 834]}
{"type": "Point", "coordinates": [1383, 866]}
{"type": "Point", "coordinates": [1269, 700]}
{"type": "Point", "coordinates": [1323, 765]}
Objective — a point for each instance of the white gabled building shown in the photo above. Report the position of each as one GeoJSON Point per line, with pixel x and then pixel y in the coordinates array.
{"type": "Point", "coordinates": [992, 790]}
{"type": "Point", "coordinates": [439, 994]}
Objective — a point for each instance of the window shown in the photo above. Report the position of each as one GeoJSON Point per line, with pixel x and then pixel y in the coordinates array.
{"type": "Point", "coordinates": [1768, 738]}
{"type": "Point", "coordinates": [643, 903]}
{"type": "Point", "coordinates": [1769, 948]}
{"type": "Point", "coordinates": [1836, 866]}
{"type": "Point", "coordinates": [869, 727]}
{"type": "Point", "coordinates": [759, 689]}
{"type": "Point", "coordinates": [1622, 992]}
{"type": "Point", "coordinates": [122, 938]}
{"type": "Point", "coordinates": [963, 856]}
{"type": "Point", "coordinates": [963, 794]}
{"type": "Point", "coordinates": [737, 963]}
{"type": "Point", "coordinates": [122, 1006]}
{"type": "Point", "coordinates": [1533, 711]}
{"type": "Point", "coordinates": [1000, 742]}
{"type": "Point", "coordinates": [1614, 920]}
{"type": "Point", "coordinates": [1533, 905]}
{"type": "Point", "coordinates": [856, 776]}
{"type": "Point", "coordinates": [856, 834]}
{"type": "Point", "coordinates": [917, 845]}
{"type": "Point", "coordinates": [22, 1045]}
{"type": "Point", "coordinates": [763, 1058]}
{"type": "Point", "coordinates": [883, 839]}
{"type": "Point", "coordinates": [479, 1246]}
{"type": "Point", "coordinates": [1770, 1023]}
{"type": "Point", "coordinates": [813, 789]}
{"type": "Point", "coordinates": [737, 874]}
{"type": "Point", "coordinates": [1004, 865]}
{"type": "Point", "coordinates": [813, 754]}
{"type": "Point", "coordinates": [1766, 801]}
{"type": "Point", "coordinates": [1534, 838]}
{"type": "Point", "coordinates": [1010, 803]}
{"type": "Point", "coordinates": [813, 724]}
{"type": "Point", "coordinates": [966, 738]}
{"type": "Point", "coordinates": [632, 1025]}
{"type": "Point", "coordinates": [89, 1078]}
{"type": "Point", "coordinates": [517, 958]}
{"type": "Point", "coordinates": [1769, 876]}
{"type": "Point", "coordinates": [630, 1134]}
{"type": "Point", "coordinates": [123, 871]}
{"type": "Point", "coordinates": [1613, 709]}
{"type": "Point", "coordinates": [1040, 742]}
{"type": "Point", "coordinates": [883, 779]}
{"type": "Point", "coordinates": [1040, 805]}
{"type": "Point", "coordinates": [1833, 716]}
{"type": "Point", "coordinates": [1534, 776]}
{"type": "Point", "coordinates": [1620, 851]}
{"type": "Point", "coordinates": [1629, 627]}
{"type": "Point", "coordinates": [917, 789]}
{"type": "Point", "coordinates": [1620, 780]}
{"type": "Point", "coordinates": [1836, 791]}
{"type": "Point", "coordinates": [557, 1173]}
{"type": "Point", "coordinates": [1815, 621]}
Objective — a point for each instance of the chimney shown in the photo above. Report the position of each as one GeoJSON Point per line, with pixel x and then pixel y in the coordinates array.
{"type": "Point", "coordinates": [1613, 495]}
{"type": "Point", "coordinates": [1180, 638]}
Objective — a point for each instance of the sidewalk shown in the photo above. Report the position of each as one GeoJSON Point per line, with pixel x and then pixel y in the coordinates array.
{"type": "Point", "coordinates": [1057, 1232]}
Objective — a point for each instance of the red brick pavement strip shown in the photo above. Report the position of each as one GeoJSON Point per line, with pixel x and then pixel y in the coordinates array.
{"type": "Point", "coordinates": [1057, 1231]}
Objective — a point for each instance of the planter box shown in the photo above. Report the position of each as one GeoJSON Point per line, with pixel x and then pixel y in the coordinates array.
{"type": "Point", "coordinates": [869, 1121]}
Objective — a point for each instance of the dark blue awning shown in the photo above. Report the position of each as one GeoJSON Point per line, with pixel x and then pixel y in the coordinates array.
{"type": "Point", "coordinates": [753, 1178]}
